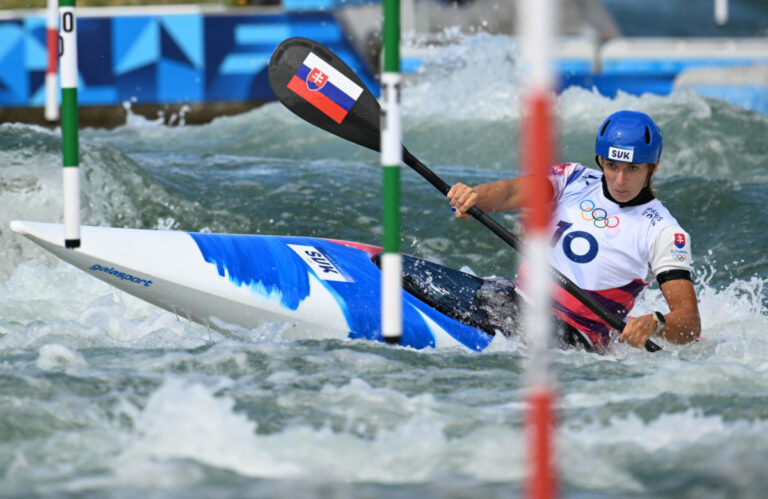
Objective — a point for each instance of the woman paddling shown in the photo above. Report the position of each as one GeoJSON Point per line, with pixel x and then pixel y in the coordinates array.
{"type": "Point", "coordinates": [611, 236]}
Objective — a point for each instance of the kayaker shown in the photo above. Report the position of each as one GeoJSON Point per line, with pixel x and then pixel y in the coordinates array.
{"type": "Point", "coordinates": [611, 236]}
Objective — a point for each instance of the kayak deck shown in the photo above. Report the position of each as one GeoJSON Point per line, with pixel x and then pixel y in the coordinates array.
{"type": "Point", "coordinates": [322, 288]}
{"type": "Point", "coordinates": [489, 305]}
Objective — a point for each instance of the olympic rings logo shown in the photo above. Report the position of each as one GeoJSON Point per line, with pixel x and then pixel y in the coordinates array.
{"type": "Point", "coordinates": [598, 216]}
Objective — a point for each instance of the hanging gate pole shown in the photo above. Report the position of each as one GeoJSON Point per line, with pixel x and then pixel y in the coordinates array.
{"type": "Point", "coordinates": [391, 157]}
{"type": "Point", "coordinates": [537, 35]}
{"type": "Point", "coordinates": [69, 123]}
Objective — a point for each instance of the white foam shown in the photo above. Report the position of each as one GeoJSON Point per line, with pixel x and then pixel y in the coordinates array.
{"type": "Point", "coordinates": [627, 441]}
{"type": "Point", "coordinates": [112, 187]}
{"type": "Point", "coordinates": [667, 432]}
{"type": "Point", "coordinates": [476, 78]}
{"type": "Point", "coordinates": [187, 421]}
{"type": "Point", "coordinates": [414, 449]}
{"type": "Point", "coordinates": [409, 443]}
{"type": "Point", "coordinates": [55, 357]}
{"type": "Point", "coordinates": [38, 306]}
{"type": "Point", "coordinates": [733, 318]}
{"type": "Point", "coordinates": [472, 84]}
{"type": "Point", "coordinates": [143, 475]}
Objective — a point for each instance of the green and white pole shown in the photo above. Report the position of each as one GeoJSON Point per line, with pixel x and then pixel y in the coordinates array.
{"type": "Point", "coordinates": [391, 157]}
{"type": "Point", "coordinates": [69, 122]}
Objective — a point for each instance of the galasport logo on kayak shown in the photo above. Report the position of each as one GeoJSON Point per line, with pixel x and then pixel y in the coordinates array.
{"type": "Point", "coordinates": [320, 262]}
{"type": "Point", "coordinates": [123, 276]}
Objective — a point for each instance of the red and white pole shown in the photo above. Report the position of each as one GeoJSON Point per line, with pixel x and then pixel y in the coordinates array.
{"type": "Point", "coordinates": [537, 32]}
{"type": "Point", "coordinates": [51, 74]}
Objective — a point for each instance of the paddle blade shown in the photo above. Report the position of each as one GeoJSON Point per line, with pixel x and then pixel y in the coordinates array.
{"type": "Point", "coordinates": [320, 88]}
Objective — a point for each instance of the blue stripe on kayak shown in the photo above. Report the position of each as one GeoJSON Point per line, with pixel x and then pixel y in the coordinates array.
{"type": "Point", "coordinates": [269, 267]}
{"type": "Point", "coordinates": [281, 273]}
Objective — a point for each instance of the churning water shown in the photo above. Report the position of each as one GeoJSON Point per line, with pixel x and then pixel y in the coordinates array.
{"type": "Point", "coordinates": [105, 395]}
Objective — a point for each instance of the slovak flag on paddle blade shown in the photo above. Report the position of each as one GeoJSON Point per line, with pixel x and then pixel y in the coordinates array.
{"type": "Point", "coordinates": [325, 87]}
{"type": "Point", "coordinates": [679, 240]}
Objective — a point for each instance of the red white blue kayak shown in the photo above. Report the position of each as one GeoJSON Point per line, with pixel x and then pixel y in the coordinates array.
{"type": "Point", "coordinates": [330, 288]}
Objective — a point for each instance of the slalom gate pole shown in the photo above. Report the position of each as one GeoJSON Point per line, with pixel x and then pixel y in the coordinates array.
{"type": "Point", "coordinates": [69, 122]}
{"type": "Point", "coordinates": [391, 157]}
{"type": "Point", "coordinates": [51, 73]}
{"type": "Point", "coordinates": [537, 25]}
{"type": "Point", "coordinates": [721, 12]}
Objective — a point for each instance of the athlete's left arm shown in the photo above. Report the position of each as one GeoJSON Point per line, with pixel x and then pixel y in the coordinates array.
{"type": "Point", "coordinates": [683, 324]}
{"type": "Point", "coordinates": [670, 262]}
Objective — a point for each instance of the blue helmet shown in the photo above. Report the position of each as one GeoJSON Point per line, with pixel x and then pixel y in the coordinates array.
{"type": "Point", "coordinates": [629, 136]}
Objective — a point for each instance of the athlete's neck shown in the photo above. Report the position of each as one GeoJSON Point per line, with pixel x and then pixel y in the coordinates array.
{"type": "Point", "coordinates": [643, 196]}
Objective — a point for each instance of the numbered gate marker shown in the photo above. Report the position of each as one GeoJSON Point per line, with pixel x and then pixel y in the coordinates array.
{"type": "Point", "coordinates": [69, 122]}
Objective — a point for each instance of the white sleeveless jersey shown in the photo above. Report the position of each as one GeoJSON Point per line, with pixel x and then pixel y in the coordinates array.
{"type": "Point", "coordinates": [612, 253]}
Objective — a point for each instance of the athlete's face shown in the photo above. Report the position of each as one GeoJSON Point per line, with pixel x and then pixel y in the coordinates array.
{"type": "Point", "coordinates": [626, 180]}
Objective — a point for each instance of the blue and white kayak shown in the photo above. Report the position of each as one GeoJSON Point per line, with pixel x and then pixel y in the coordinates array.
{"type": "Point", "coordinates": [329, 287]}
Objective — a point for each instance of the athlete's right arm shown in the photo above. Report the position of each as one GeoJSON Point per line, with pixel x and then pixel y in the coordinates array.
{"type": "Point", "coordinates": [502, 195]}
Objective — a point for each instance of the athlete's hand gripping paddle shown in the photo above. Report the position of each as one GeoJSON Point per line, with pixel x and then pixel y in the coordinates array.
{"type": "Point", "coordinates": [320, 88]}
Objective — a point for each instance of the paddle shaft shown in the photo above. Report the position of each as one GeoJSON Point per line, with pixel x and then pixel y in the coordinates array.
{"type": "Point", "coordinates": [588, 300]}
